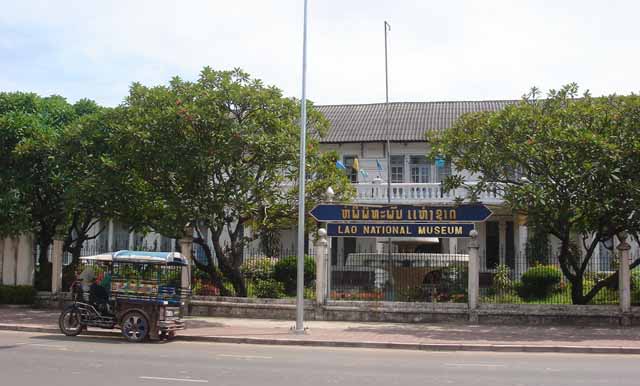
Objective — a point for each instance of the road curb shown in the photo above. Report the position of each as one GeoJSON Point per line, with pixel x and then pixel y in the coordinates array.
{"type": "Point", "coordinates": [416, 346]}
{"type": "Point", "coordinates": [368, 344]}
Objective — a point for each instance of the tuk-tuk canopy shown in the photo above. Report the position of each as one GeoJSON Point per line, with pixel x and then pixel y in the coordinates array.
{"type": "Point", "coordinates": [142, 257]}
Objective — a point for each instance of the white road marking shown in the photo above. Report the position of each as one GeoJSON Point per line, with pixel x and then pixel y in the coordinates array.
{"type": "Point", "coordinates": [175, 379]}
{"type": "Point", "coordinates": [243, 356]}
{"type": "Point", "coordinates": [476, 364]}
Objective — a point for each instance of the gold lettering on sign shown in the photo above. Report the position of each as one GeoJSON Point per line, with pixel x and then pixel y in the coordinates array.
{"type": "Point", "coordinates": [375, 214]}
{"type": "Point", "coordinates": [365, 213]}
{"type": "Point", "coordinates": [355, 213]}
{"type": "Point", "coordinates": [346, 214]}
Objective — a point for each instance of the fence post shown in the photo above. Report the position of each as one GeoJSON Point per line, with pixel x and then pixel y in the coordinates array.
{"type": "Point", "coordinates": [474, 272]}
{"type": "Point", "coordinates": [624, 278]}
{"type": "Point", "coordinates": [2, 260]}
{"type": "Point", "coordinates": [321, 266]}
{"type": "Point", "coordinates": [186, 246]}
{"type": "Point", "coordinates": [56, 266]}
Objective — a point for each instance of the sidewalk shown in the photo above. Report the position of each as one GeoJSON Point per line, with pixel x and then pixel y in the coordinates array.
{"type": "Point", "coordinates": [463, 337]}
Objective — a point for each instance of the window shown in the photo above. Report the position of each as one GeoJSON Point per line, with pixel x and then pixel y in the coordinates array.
{"type": "Point", "coordinates": [397, 169]}
{"type": "Point", "coordinates": [351, 172]}
{"type": "Point", "coordinates": [419, 169]}
{"type": "Point", "coordinates": [443, 171]}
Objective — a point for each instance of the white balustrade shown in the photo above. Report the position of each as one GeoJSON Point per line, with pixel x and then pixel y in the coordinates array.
{"type": "Point", "coordinates": [415, 192]}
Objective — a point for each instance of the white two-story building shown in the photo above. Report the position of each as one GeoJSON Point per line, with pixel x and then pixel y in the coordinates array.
{"type": "Point", "coordinates": [361, 132]}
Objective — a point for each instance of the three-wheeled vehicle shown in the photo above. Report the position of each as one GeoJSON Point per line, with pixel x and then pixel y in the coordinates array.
{"type": "Point", "coordinates": [139, 292]}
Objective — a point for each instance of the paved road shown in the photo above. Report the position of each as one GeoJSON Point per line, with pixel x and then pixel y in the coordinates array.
{"type": "Point", "coordinates": [44, 359]}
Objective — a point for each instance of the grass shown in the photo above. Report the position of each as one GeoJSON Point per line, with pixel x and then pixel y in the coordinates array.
{"type": "Point", "coordinates": [563, 296]}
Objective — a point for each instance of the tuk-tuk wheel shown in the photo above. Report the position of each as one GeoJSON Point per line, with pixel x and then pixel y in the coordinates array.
{"type": "Point", "coordinates": [69, 322]}
{"type": "Point", "coordinates": [135, 327]}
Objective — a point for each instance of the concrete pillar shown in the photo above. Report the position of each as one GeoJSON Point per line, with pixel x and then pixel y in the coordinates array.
{"type": "Point", "coordinates": [624, 275]}
{"type": "Point", "coordinates": [186, 248]}
{"type": "Point", "coordinates": [1, 260]}
{"type": "Point", "coordinates": [25, 269]}
{"type": "Point", "coordinates": [474, 276]}
{"type": "Point", "coordinates": [521, 257]}
{"type": "Point", "coordinates": [56, 266]}
{"type": "Point", "coordinates": [453, 245]}
{"type": "Point", "coordinates": [111, 237]}
{"type": "Point", "coordinates": [502, 237]}
{"type": "Point", "coordinates": [322, 264]}
{"type": "Point", "coordinates": [9, 261]}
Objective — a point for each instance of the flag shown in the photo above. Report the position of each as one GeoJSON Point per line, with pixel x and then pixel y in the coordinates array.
{"type": "Point", "coordinates": [356, 165]}
{"type": "Point", "coordinates": [379, 165]}
{"type": "Point", "coordinates": [340, 165]}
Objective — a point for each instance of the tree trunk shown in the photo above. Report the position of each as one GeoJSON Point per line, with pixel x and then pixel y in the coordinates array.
{"type": "Point", "coordinates": [238, 282]}
{"type": "Point", "coordinates": [43, 276]}
{"type": "Point", "coordinates": [210, 269]}
{"type": "Point", "coordinates": [577, 296]}
{"type": "Point", "coordinates": [229, 264]}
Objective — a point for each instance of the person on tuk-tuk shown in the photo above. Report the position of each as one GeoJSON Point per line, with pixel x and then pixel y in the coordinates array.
{"type": "Point", "coordinates": [98, 294]}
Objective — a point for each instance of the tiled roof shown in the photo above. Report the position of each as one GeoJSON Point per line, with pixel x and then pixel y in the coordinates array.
{"type": "Point", "coordinates": [408, 122]}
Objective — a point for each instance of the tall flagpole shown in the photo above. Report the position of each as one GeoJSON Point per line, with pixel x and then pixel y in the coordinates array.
{"type": "Point", "coordinates": [387, 27]}
{"type": "Point", "coordinates": [301, 210]}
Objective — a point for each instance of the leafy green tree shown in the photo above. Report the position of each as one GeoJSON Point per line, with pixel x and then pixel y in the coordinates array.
{"type": "Point", "coordinates": [98, 188]}
{"type": "Point", "coordinates": [220, 154]}
{"type": "Point", "coordinates": [32, 180]}
{"type": "Point", "coordinates": [569, 162]}
{"type": "Point", "coordinates": [55, 172]}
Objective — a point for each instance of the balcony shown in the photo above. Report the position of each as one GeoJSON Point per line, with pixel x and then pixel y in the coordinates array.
{"type": "Point", "coordinates": [413, 193]}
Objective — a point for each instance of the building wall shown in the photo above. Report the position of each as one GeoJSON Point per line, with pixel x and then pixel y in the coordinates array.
{"type": "Point", "coordinates": [17, 261]}
{"type": "Point", "coordinates": [369, 153]}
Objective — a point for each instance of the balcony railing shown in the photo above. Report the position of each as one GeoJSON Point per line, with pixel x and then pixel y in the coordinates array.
{"type": "Point", "coordinates": [415, 192]}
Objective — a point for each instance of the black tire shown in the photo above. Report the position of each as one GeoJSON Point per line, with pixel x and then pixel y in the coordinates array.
{"type": "Point", "coordinates": [135, 327]}
{"type": "Point", "coordinates": [69, 322]}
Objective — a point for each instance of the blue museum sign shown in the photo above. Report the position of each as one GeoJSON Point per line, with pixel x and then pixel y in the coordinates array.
{"type": "Point", "coordinates": [402, 213]}
{"type": "Point", "coordinates": [400, 230]}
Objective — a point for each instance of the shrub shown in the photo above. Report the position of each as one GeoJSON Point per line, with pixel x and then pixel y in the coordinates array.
{"type": "Point", "coordinates": [502, 280]}
{"type": "Point", "coordinates": [258, 269]}
{"type": "Point", "coordinates": [635, 279]}
{"type": "Point", "coordinates": [411, 294]}
{"type": "Point", "coordinates": [20, 294]}
{"type": "Point", "coordinates": [268, 289]}
{"type": "Point", "coordinates": [285, 271]}
{"type": "Point", "coordinates": [539, 282]}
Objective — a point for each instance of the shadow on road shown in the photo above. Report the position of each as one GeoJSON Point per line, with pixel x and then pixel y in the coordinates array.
{"type": "Point", "coordinates": [97, 337]}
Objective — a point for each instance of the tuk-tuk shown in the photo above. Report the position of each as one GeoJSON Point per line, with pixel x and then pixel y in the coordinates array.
{"type": "Point", "coordinates": [139, 292]}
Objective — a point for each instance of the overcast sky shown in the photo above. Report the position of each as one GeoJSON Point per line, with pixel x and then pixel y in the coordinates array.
{"type": "Point", "coordinates": [438, 50]}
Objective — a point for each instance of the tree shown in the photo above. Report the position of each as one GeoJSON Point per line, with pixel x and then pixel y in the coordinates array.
{"type": "Point", "coordinates": [32, 182]}
{"type": "Point", "coordinates": [97, 188]}
{"type": "Point", "coordinates": [220, 154]}
{"type": "Point", "coordinates": [569, 163]}
{"type": "Point", "coordinates": [54, 171]}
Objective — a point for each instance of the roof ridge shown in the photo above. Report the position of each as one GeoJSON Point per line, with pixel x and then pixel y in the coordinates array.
{"type": "Point", "coordinates": [424, 102]}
